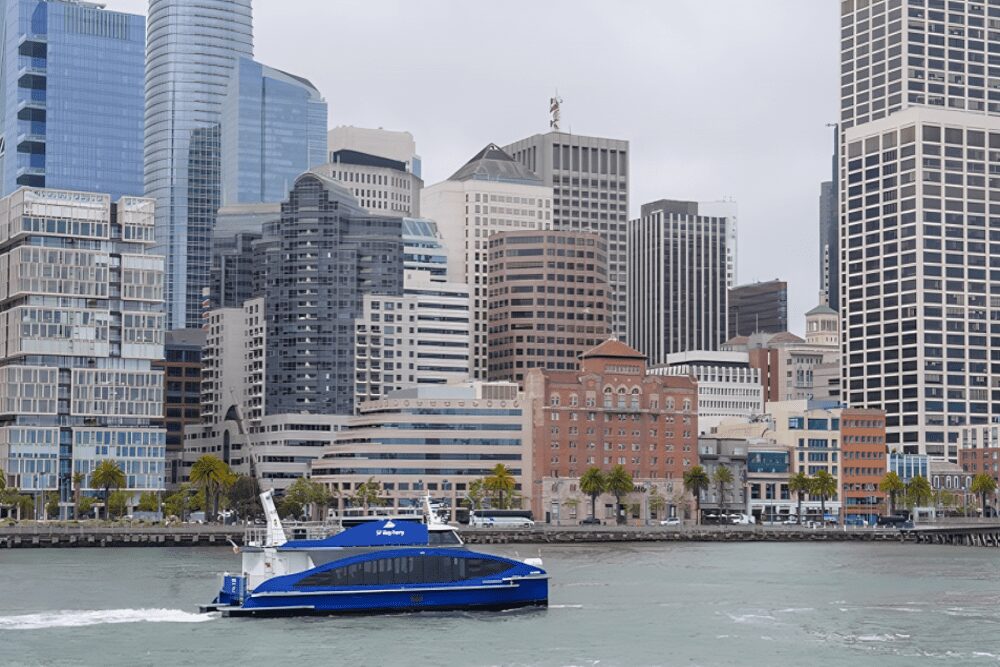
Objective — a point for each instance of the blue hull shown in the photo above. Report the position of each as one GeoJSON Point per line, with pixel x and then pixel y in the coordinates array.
{"type": "Point", "coordinates": [525, 593]}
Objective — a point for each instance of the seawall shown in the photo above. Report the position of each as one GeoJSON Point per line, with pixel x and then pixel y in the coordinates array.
{"type": "Point", "coordinates": [41, 536]}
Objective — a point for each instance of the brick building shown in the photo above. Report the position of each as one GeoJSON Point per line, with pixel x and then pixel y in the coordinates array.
{"type": "Point", "coordinates": [980, 451]}
{"type": "Point", "coordinates": [863, 463]}
{"type": "Point", "coordinates": [611, 411]}
{"type": "Point", "coordinates": [548, 300]}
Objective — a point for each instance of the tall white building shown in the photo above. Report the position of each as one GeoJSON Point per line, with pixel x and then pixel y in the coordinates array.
{"type": "Point", "coordinates": [589, 180]}
{"type": "Point", "coordinates": [421, 337]}
{"type": "Point", "coordinates": [682, 263]}
{"type": "Point", "coordinates": [490, 193]}
{"type": "Point", "coordinates": [919, 222]}
{"type": "Point", "coordinates": [81, 302]}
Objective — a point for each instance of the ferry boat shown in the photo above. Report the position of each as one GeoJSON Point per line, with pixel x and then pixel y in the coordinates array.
{"type": "Point", "coordinates": [378, 566]}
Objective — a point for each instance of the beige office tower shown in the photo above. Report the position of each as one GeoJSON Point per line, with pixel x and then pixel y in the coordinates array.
{"type": "Point", "coordinates": [491, 193]}
{"type": "Point", "coordinates": [589, 181]}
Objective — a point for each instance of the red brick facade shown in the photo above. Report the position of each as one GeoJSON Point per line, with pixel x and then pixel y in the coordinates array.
{"type": "Point", "coordinates": [975, 461]}
{"type": "Point", "coordinates": [611, 412]}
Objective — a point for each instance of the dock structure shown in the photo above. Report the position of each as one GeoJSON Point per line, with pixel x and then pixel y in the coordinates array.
{"type": "Point", "coordinates": [977, 534]}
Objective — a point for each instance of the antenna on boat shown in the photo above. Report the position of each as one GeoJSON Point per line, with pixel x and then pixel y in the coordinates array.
{"type": "Point", "coordinates": [432, 517]}
{"type": "Point", "coordinates": [275, 536]}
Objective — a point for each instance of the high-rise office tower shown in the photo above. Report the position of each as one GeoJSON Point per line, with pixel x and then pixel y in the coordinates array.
{"type": "Point", "coordinates": [920, 222]}
{"type": "Point", "coordinates": [490, 193]}
{"type": "Point", "coordinates": [589, 181]}
{"type": "Point", "coordinates": [681, 266]}
{"type": "Point", "coordinates": [191, 54]}
{"type": "Point", "coordinates": [549, 300]}
{"type": "Point", "coordinates": [273, 129]}
{"type": "Point", "coordinates": [829, 232]}
{"type": "Point", "coordinates": [71, 85]}
{"type": "Point", "coordinates": [320, 259]}
{"type": "Point", "coordinates": [758, 307]}
{"type": "Point", "coordinates": [80, 302]}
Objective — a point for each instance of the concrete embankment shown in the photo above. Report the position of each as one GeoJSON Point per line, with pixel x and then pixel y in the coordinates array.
{"type": "Point", "coordinates": [41, 536]}
{"type": "Point", "coordinates": [24, 537]}
{"type": "Point", "coordinates": [555, 535]}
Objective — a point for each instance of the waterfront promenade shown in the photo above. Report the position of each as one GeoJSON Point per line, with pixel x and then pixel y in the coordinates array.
{"type": "Point", "coordinates": [39, 535]}
{"type": "Point", "coordinates": [970, 532]}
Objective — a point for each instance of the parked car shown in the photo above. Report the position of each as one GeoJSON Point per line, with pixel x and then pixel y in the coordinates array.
{"type": "Point", "coordinates": [591, 521]}
{"type": "Point", "coordinates": [791, 522]}
{"type": "Point", "coordinates": [671, 521]}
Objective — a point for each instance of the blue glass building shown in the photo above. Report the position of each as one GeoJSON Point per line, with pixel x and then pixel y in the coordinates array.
{"type": "Point", "coordinates": [71, 80]}
{"type": "Point", "coordinates": [273, 129]}
{"type": "Point", "coordinates": [193, 49]}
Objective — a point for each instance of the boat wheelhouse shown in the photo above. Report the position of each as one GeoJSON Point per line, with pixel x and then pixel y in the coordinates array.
{"type": "Point", "coordinates": [378, 566]}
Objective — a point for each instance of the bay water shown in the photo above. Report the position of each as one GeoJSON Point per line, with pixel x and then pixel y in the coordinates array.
{"type": "Point", "coordinates": [615, 604]}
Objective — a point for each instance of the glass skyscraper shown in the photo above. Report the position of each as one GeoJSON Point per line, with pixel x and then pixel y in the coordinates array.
{"type": "Point", "coordinates": [192, 52]}
{"type": "Point", "coordinates": [71, 81]}
{"type": "Point", "coordinates": [273, 129]}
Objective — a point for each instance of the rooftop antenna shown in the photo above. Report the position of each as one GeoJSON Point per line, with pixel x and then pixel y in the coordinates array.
{"type": "Point", "coordinates": [554, 103]}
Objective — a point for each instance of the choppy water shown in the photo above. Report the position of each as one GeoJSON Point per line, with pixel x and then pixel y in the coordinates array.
{"type": "Point", "coordinates": [677, 604]}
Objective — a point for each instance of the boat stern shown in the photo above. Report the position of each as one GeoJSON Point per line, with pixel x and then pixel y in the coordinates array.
{"type": "Point", "coordinates": [232, 592]}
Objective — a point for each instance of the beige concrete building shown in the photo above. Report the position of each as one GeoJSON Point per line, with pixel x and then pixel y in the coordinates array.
{"type": "Point", "coordinates": [491, 193]}
{"type": "Point", "coordinates": [590, 189]}
{"type": "Point", "coordinates": [792, 368]}
{"type": "Point", "coordinates": [549, 300]}
{"type": "Point", "coordinates": [431, 439]}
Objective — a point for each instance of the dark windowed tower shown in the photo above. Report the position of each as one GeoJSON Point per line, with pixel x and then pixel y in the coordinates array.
{"type": "Point", "coordinates": [320, 258]}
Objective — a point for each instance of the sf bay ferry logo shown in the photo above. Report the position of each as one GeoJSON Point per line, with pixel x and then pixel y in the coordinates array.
{"type": "Point", "coordinates": [387, 530]}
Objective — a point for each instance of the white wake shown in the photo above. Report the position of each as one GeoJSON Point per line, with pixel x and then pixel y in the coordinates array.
{"type": "Point", "coordinates": [72, 618]}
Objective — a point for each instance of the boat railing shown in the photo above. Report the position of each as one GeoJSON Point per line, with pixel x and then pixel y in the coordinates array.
{"type": "Point", "coordinates": [255, 534]}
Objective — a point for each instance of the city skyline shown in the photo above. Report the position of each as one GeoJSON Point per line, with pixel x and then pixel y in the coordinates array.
{"type": "Point", "coordinates": [749, 122]}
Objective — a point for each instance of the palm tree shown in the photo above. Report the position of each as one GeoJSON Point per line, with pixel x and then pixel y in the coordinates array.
{"type": "Point", "coordinates": [823, 485]}
{"type": "Point", "coordinates": [983, 485]}
{"type": "Point", "coordinates": [107, 475]}
{"type": "Point", "coordinates": [722, 477]}
{"type": "Point", "coordinates": [78, 479]}
{"type": "Point", "coordinates": [3, 479]}
{"type": "Point", "coordinates": [696, 480]}
{"type": "Point", "coordinates": [367, 493]}
{"type": "Point", "coordinates": [593, 483]}
{"type": "Point", "coordinates": [500, 482]}
{"type": "Point", "coordinates": [212, 474]}
{"type": "Point", "coordinates": [799, 484]}
{"type": "Point", "coordinates": [919, 491]}
{"type": "Point", "coordinates": [619, 484]}
{"type": "Point", "coordinates": [892, 485]}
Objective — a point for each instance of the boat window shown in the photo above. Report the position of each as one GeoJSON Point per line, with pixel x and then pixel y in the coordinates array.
{"type": "Point", "coordinates": [405, 570]}
{"type": "Point", "coordinates": [443, 537]}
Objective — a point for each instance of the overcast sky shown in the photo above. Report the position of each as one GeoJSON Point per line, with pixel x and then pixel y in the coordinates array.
{"type": "Point", "coordinates": [718, 98]}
